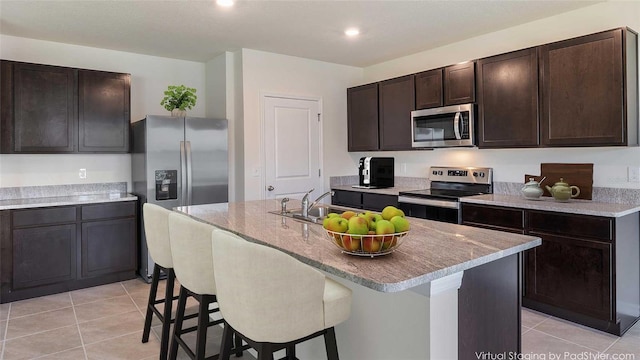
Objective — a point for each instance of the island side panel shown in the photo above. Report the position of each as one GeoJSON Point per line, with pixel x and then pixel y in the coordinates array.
{"type": "Point", "coordinates": [489, 303]}
{"type": "Point", "coordinates": [627, 270]}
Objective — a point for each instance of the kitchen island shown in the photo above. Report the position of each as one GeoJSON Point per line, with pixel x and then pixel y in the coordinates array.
{"type": "Point", "coordinates": [387, 320]}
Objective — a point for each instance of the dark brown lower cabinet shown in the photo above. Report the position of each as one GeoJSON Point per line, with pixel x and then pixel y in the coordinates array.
{"type": "Point", "coordinates": [363, 200]}
{"type": "Point", "coordinates": [50, 250]}
{"type": "Point", "coordinates": [586, 270]}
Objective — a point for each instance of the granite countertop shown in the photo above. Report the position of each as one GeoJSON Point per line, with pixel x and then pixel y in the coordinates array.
{"type": "Point", "coordinates": [431, 251]}
{"type": "Point", "coordinates": [582, 207]}
{"type": "Point", "coordinates": [64, 200]}
{"type": "Point", "coordinates": [386, 191]}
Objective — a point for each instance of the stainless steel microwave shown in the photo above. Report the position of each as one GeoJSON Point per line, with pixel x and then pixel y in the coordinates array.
{"type": "Point", "coordinates": [446, 126]}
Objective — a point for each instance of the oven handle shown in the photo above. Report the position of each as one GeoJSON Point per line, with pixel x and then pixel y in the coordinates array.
{"type": "Point", "coordinates": [456, 126]}
{"type": "Point", "coordinates": [429, 202]}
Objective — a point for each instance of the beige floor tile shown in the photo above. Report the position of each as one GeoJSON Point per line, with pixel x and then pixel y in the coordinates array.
{"type": "Point", "coordinates": [111, 327]}
{"type": "Point", "coordinates": [73, 354]}
{"type": "Point", "coordinates": [3, 328]}
{"type": "Point", "coordinates": [36, 305]}
{"type": "Point", "coordinates": [535, 342]}
{"type": "Point", "coordinates": [626, 345]}
{"type": "Point", "coordinates": [102, 308]}
{"type": "Point", "coordinates": [126, 347]}
{"type": "Point", "coordinates": [31, 324]}
{"type": "Point", "coordinates": [45, 343]}
{"type": "Point", "coordinates": [634, 331]}
{"type": "Point", "coordinates": [531, 318]}
{"type": "Point", "coordinates": [137, 286]}
{"type": "Point", "coordinates": [192, 308]}
{"type": "Point", "coordinates": [577, 334]}
{"type": "Point", "coordinates": [4, 311]}
{"type": "Point", "coordinates": [97, 293]}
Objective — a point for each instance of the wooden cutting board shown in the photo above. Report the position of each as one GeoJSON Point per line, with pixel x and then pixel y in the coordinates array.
{"type": "Point", "coordinates": [580, 175]}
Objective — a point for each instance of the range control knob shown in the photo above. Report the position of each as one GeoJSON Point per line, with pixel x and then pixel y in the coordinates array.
{"type": "Point", "coordinates": [434, 172]}
{"type": "Point", "coordinates": [475, 174]}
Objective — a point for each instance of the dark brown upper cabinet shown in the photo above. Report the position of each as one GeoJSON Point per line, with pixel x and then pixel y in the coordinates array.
{"type": "Point", "coordinates": [590, 90]}
{"type": "Point", "coordinates": [508, 100]}
{"type": "Point", "coordinates": [429, 89]}
{"type": "Point", "coordinates": [362, 117]}
{"type": "Point", "coordinates": [397, 101]}
{"type": "Point", "coordinates": [460, 84]}
{"type": "Point", "coordinates": [39, 108]}
{"type": "Point", "coordinates": [103, 111]}
{"type": "Point", "coordinates": [51, 109]}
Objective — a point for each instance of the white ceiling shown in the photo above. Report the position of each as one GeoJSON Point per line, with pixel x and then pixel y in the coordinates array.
{"type": "Point", "coordinates": [200, 30]}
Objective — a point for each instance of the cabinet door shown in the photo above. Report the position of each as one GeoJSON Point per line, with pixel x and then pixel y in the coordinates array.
{"type": "Point", "coordinates": [493, 217]}
{"type": "Point", "coordinates": [377, 202]}
{"type": "Point", "coordinates": [347, 198]}
{"type": "Point", "coordinates": [44, 109]}
{"type": "Point", "coordinates": [108, 247]}
{"type": "Point", "coordinates": [582, 91]}
{"type": "Point", "coordinates": [429, 89]}
{"type": "Point", "coordinates": [43, 255]}
{"type": "Point", "coordinates": [571, 273]}
{"type": "Point", "coordinates": [397, 101]}
{"type": "Point", "coordinates": [508, 100]}
{"type": "Point", "coordinates": [103, 111]}
{"type": "Point", "coordinates": [362, 117]}
{"type": "Point", "coordinates": [460, 83]}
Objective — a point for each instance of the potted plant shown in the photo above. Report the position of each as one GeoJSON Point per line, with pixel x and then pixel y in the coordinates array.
{"type": "Point", "coordinates": [178, 99]}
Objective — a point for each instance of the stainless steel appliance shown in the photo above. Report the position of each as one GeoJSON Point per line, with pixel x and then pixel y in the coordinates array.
{"type": "Point", "coordinates": [375, 172]}
{"type": "Point", "coordinates": [446, 126]}
{"type": "Point", "coordinates": [177, 162]}
{"type": "Point", "coordinates": [448, 184]}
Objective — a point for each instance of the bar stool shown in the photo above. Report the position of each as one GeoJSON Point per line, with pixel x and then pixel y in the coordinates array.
{"type": "Point", "coordinates": [273, 301]}
{"type": "Point", "coordinates": [156, 229]}
{"type": "Point", "coordinates": [193, 264]}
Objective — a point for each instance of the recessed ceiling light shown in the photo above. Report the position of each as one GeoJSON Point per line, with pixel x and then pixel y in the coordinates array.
{"type": "Point", "coordinates": [225, 3]}
{"type": "Point", "coordinates": [352, 32]}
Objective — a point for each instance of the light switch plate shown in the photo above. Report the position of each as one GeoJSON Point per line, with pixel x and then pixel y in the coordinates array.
{"type": "Point", "coordinates": [82, 173]}
{"type": "Point", "coordinates": [633, 173]}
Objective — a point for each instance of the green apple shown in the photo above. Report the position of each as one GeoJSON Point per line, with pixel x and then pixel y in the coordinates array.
{"type": "Point", "coordinates": [368, 215]}
{"type": "Point", "coordinates": [385, 227]}
{"type": "Point", "coordinates": [358, 226]}
{"type": "Point", "coordinates": [348, 214]}
{"type": "Point", "coordinates": [374, 222]}
{"type": "Point", "coordinates": [400, 223]}
{"type": "Point", "coordinates": [325, 222]}
{"type": "Point", "coordinates": [349, 243]}
{"type": "Point", "coordinates": [337, 224]}
{"type": "Point", "coordinates": [390, 211]}
{"type": "Point", "coordinates": [330, 215]}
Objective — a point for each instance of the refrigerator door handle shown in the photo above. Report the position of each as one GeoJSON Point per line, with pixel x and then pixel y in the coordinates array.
{"type": "Point", "coordinates": [183, 174]}
{"type": "Point", "coordinates": [189, 174]}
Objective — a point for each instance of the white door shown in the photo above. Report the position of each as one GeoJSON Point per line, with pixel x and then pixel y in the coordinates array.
{"type": "Point", "coordinates": [292, 147]}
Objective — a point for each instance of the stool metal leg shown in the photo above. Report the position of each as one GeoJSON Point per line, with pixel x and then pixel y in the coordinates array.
{"type": "Point", "coordinates": [330, 344]}
{"type": "Point", "coordinates": [152, 298]}
{"type": "Point", "coordinates": [177, 327]}
{"type": "Point", "coordinates": [166, 323]}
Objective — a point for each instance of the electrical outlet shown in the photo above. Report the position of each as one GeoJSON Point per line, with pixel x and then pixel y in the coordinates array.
{"type": "Point", "coordinates": [82, 173]}
{"type": "Point", "coordinates": [403, 168]}
{"type": "Point", "coordinates": [633, 173]}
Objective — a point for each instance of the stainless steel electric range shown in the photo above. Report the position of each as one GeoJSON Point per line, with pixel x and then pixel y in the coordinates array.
{"type": "Point", "coordinates": [448, 184]}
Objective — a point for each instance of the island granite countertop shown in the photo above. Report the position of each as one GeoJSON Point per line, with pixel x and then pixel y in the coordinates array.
{"type": "Point", "coordinates": [573, 206]}
{"type": "Point", "coordinates": [12, 204]}
{"type": "Point", "coordinates": [431, 251]}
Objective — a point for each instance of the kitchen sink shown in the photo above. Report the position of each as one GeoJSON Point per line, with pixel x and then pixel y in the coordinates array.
{"type": "Point", "coordinates": [316, 214]}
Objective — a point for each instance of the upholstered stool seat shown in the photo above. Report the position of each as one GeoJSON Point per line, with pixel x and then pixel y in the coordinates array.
{"type": "Point", "coordinates": [273, 301]}
{"type": "Point", "coordinates": [191, 248]}
{"type": "Point", "coordinates": [156, 228]}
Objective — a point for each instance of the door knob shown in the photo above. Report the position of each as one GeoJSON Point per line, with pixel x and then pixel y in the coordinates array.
{"type": "Point", "coordinates": [270, 188]}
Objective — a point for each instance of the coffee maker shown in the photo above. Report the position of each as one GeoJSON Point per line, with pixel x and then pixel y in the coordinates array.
{"type": "Point", "coordinates": [376, 172]}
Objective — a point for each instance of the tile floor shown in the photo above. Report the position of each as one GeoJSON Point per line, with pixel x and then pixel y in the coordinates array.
{"type": "Point", "coordinates": [106, 322]}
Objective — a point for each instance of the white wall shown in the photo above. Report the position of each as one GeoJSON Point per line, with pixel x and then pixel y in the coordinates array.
{"type": "Point", "coordinates": [150, 76]}
{"type": "Point", "coordinates": [610, 164]}
{"type": "Point", "coordinates": [264, 72]}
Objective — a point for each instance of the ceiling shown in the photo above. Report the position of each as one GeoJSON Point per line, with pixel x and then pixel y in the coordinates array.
{"type": "Point", "coordinates": [200, 30]}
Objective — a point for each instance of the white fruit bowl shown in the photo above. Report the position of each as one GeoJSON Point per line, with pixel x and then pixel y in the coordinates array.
{"type": "Point", "coordinates": [367, 245]}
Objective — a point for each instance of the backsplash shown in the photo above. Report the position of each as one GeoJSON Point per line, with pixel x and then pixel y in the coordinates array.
{"type": "Point", "coordinates": [600, 194]}
{"type": "Point", "coordinates": [28, 192]}
{"type": "Point", "coordinates": [400, 181]}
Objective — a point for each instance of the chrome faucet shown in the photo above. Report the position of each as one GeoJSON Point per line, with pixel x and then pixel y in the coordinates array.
{"type": "Point", "coordinates": [305, 203]}
{"type": "Point", "coordinates": [320, 198]}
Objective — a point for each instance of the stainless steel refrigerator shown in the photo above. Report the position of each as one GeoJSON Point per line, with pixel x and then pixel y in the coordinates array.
{"type": "Point", "coordinates": [177, 162]}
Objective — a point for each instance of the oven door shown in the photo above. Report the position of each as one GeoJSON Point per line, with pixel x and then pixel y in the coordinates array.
{"type": "Point", "coordinates": [431, 209]}
{"type": "Point", "coordinates": [443, 127]}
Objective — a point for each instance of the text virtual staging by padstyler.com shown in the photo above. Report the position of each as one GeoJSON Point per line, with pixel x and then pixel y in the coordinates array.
{"type": "Point", "coordinates": [585, 355]}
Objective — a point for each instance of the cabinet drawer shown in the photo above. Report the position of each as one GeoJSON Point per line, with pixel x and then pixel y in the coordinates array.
{"type": "Point", "coordinates": [498, 217]}
{"type": "Point", "coordinates": [377, 202]}
{"type": "Point", "coordinates": [55, 215]}
{"type": "Point", "coordinates": [571, 225]}
{"type": "Point", "coordinates": [108, 210]}
{"type": "Point", "coordinates": [347, 198]}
